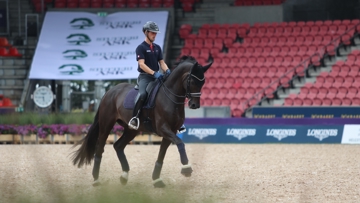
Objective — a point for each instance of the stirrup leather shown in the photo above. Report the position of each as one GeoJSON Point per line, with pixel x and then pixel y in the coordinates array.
{"type": "Point", "coordinates": [132, 126]}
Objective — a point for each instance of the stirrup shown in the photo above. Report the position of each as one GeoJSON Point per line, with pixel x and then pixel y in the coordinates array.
{"type": "Point", "coordinates": [132, 126]}
{"type": "Point", "coordinates": [182, 129]}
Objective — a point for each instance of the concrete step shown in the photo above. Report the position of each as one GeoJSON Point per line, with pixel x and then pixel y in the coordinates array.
{"type": "Point", "coordinates": [12, 82]}
{"type": "Point", "coordinates": [196, 24]}
{"type": "Point", "coordinates": [278, 102]}
{"type": "Point", "coordinates": [16, 22]}
{"type": "Point", "coordinates": [344, 51]}
{"type": "Point", "coordinates": [14, 63]}
{"type": "Point", "coordinates": [357, 47]}
{"type": "Point", "coordinates": [200, 15]}
{"type": "Point", "coordinates": [10, 79]}
{"type": "Point", "coordinates": [12, 67]}
{"type": "Point", "coordinates": [293, 91]}
{"type": "Point", "coordinates": [192, 20]}
{"type": "Point", "coordinates": [15, 96]}
{"type": "Point", "coordinates": [329, 61]}
{"type": "Point", "coordinates": [217, 1]}
{"type": "Point", "coordinates": [14, 13]}
{"type": "Point", "coordinates": [175, 52]}
{"type": "Point", "coordinates": [13, 72]}
{"type": "Point", "coordinates": [14, 93]}
{"type": "Point", "coordinates": [215, 4]}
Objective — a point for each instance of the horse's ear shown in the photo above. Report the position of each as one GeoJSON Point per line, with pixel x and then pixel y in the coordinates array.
{"type": "Point", "coordinates": [207, 66]}
{"type": "Point", "coordinates": [194, 66]}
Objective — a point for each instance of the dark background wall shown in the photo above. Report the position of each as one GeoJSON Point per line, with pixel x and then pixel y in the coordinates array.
{"type": "Point", "coordinates": [291, 10]}
{"type": "Point", "coordinates": [303, 10]}
{"type": "Point", "coordinates": [249, 14]}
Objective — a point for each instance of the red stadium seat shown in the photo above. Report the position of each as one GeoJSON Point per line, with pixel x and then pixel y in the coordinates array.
{"type": "Point", "coordinates": [3, 51]}
{"type": "Point", "coordinates": [132, 5]}
{"type": "Point", "coordinates": [187, 7]}
{"type": "Point", "coordinates": [84, 5]}
{"type": "Point", "coordinates": [96, 5]}
{"type": "Point", "coordinates": [185, 30]}
{"type": "Point", "coordinates": [317, 102]}
{"type": "Point", "coordinates": [60, 4]}
{"type": "Point", "coordinates": [269, 50]}
{"type": "Point", "coordinates": [346, 101]}
{"type": "Point", "coordinates": [13, 51]}
{"type": "Point", "coordinates": [72, 4]}
{"type": "Point", "coordinates": [168, 3]}
{"type": "Point", "coordinates": [120, 5]}
{"type": "Point", "coordinates": [108, 5]}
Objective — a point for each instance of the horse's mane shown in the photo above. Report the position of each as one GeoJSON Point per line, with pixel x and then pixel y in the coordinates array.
{"type": "Point", "coordinates": [190, 59]}
{"type": "Point", "coordinates": [183, 59]}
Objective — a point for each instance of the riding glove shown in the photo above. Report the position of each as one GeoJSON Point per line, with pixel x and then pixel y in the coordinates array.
{"type": "Point", "coordinates": [158, 75]}
{"type": "Point", "coordinates": [167, 72]}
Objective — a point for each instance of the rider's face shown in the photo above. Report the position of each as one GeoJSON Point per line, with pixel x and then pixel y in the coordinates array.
{"type": "Point", "coordinates": [151, 35]}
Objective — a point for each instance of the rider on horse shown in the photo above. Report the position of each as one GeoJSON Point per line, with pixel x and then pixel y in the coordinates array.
{"type": "Point", "coordinates": [149, 56]}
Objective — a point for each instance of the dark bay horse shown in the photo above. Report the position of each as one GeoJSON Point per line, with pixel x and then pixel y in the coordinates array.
{"type": "Point", "coordinates": [185, 81]}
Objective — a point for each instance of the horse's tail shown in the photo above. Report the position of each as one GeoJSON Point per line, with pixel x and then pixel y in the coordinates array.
{"type": "Point", "coordinates": [85, 153]}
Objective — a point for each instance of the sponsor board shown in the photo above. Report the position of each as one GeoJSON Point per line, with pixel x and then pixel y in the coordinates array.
{"type": "Point", "coordinates": [322, 133]}
{"type": "Point", "coordinates": [307, 112]}
{"type": "Point", "coordinates": [263, 134]}
{"type": "Point", "coordinates": [351, 134]}
{"type": "Point", "coordinates": [202, 132]}
{"type": "Point", "coordinates": [241, 133]}
{"type": "Point", "coordinates": [280, 133]}
{"type": "Point", "coordinates": [85, 46]}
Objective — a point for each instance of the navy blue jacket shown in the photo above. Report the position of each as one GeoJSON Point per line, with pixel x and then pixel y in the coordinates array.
{"type": "Point", "coordinates": [151, 56]}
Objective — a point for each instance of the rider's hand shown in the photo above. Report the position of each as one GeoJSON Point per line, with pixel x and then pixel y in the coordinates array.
{"type": "Point", "coordinates": [158, 75]}
{"type": "Point", "coordinates": [167, 72]}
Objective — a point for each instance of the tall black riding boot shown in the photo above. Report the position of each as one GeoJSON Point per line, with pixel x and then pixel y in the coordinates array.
{"type": "Point", "coordinates": [134, 121]}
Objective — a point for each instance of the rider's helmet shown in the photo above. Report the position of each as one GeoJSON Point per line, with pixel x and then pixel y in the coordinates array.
{"type": "Point", "coordinates": [151, 26]}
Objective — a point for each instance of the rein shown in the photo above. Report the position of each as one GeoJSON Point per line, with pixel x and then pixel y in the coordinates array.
{"type": "Point", "coordinates": [188, 94]}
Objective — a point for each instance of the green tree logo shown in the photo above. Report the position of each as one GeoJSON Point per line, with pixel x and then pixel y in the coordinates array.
{"type": "Point", "coordinates": [78, 39]}
{"type": "Point", "coordinates": [81, 23]}
{"type": "Point", "coordinates": [71, 69]}
{"type": "Point", "coordinates": [75, 54]}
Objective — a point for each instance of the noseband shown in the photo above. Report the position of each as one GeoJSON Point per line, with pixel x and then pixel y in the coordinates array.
{"type": "Point", "coordinates": [188, 94]}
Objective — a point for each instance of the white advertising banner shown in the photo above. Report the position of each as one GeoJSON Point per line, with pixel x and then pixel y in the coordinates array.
{"type": "Point", "coordinates": [351, 134]}
{"type": "Point", "coordinates": [85, 46]}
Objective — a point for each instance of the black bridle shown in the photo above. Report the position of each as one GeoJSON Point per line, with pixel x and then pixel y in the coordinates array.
{"type": "Point", "coordinates": [188, 94]}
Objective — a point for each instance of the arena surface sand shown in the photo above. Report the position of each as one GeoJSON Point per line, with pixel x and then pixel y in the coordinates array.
{"type": "Point", "coordinates": [222, 173]}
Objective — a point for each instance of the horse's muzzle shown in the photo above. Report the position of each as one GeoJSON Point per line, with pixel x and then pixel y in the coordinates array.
{"type": "Point", "coordinates": [194, 105]}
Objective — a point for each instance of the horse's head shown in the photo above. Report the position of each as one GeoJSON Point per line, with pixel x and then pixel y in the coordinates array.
{"type": "Point", "coordinates": [193, 79]}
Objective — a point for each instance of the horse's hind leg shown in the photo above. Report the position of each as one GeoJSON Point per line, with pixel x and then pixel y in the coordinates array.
{"type": "Point", "coordinates": [119, 147]}
{"type": "Point", "coordinates": [157, 182]}
{"type": "Point", "coordinates": [103, 134]}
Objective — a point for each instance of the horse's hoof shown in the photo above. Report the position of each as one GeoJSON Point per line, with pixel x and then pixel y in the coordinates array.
{"type": "Point", "coordinates": [96, 183]}
{"type": "Point", "coordinates": [186, 170]}
{"type": "Point", "coordinates": [123, 181]}
{"type": "Point", "coordinates": [124, 178]}
{"type": "Point", "coordinates": [158, 183]}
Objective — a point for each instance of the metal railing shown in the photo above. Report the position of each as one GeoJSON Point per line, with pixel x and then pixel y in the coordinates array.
{"type": "Point", "coordinates": [321, 52]}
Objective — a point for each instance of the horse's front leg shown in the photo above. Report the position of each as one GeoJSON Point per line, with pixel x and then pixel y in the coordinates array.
{"type": "Point", "coordinates": [186, 169]}
{"type": "Point", "coordinates": [157, 182]}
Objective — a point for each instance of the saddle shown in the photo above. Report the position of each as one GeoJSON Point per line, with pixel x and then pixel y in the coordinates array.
{"type": "Point", "coordinates": [133, 95]}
